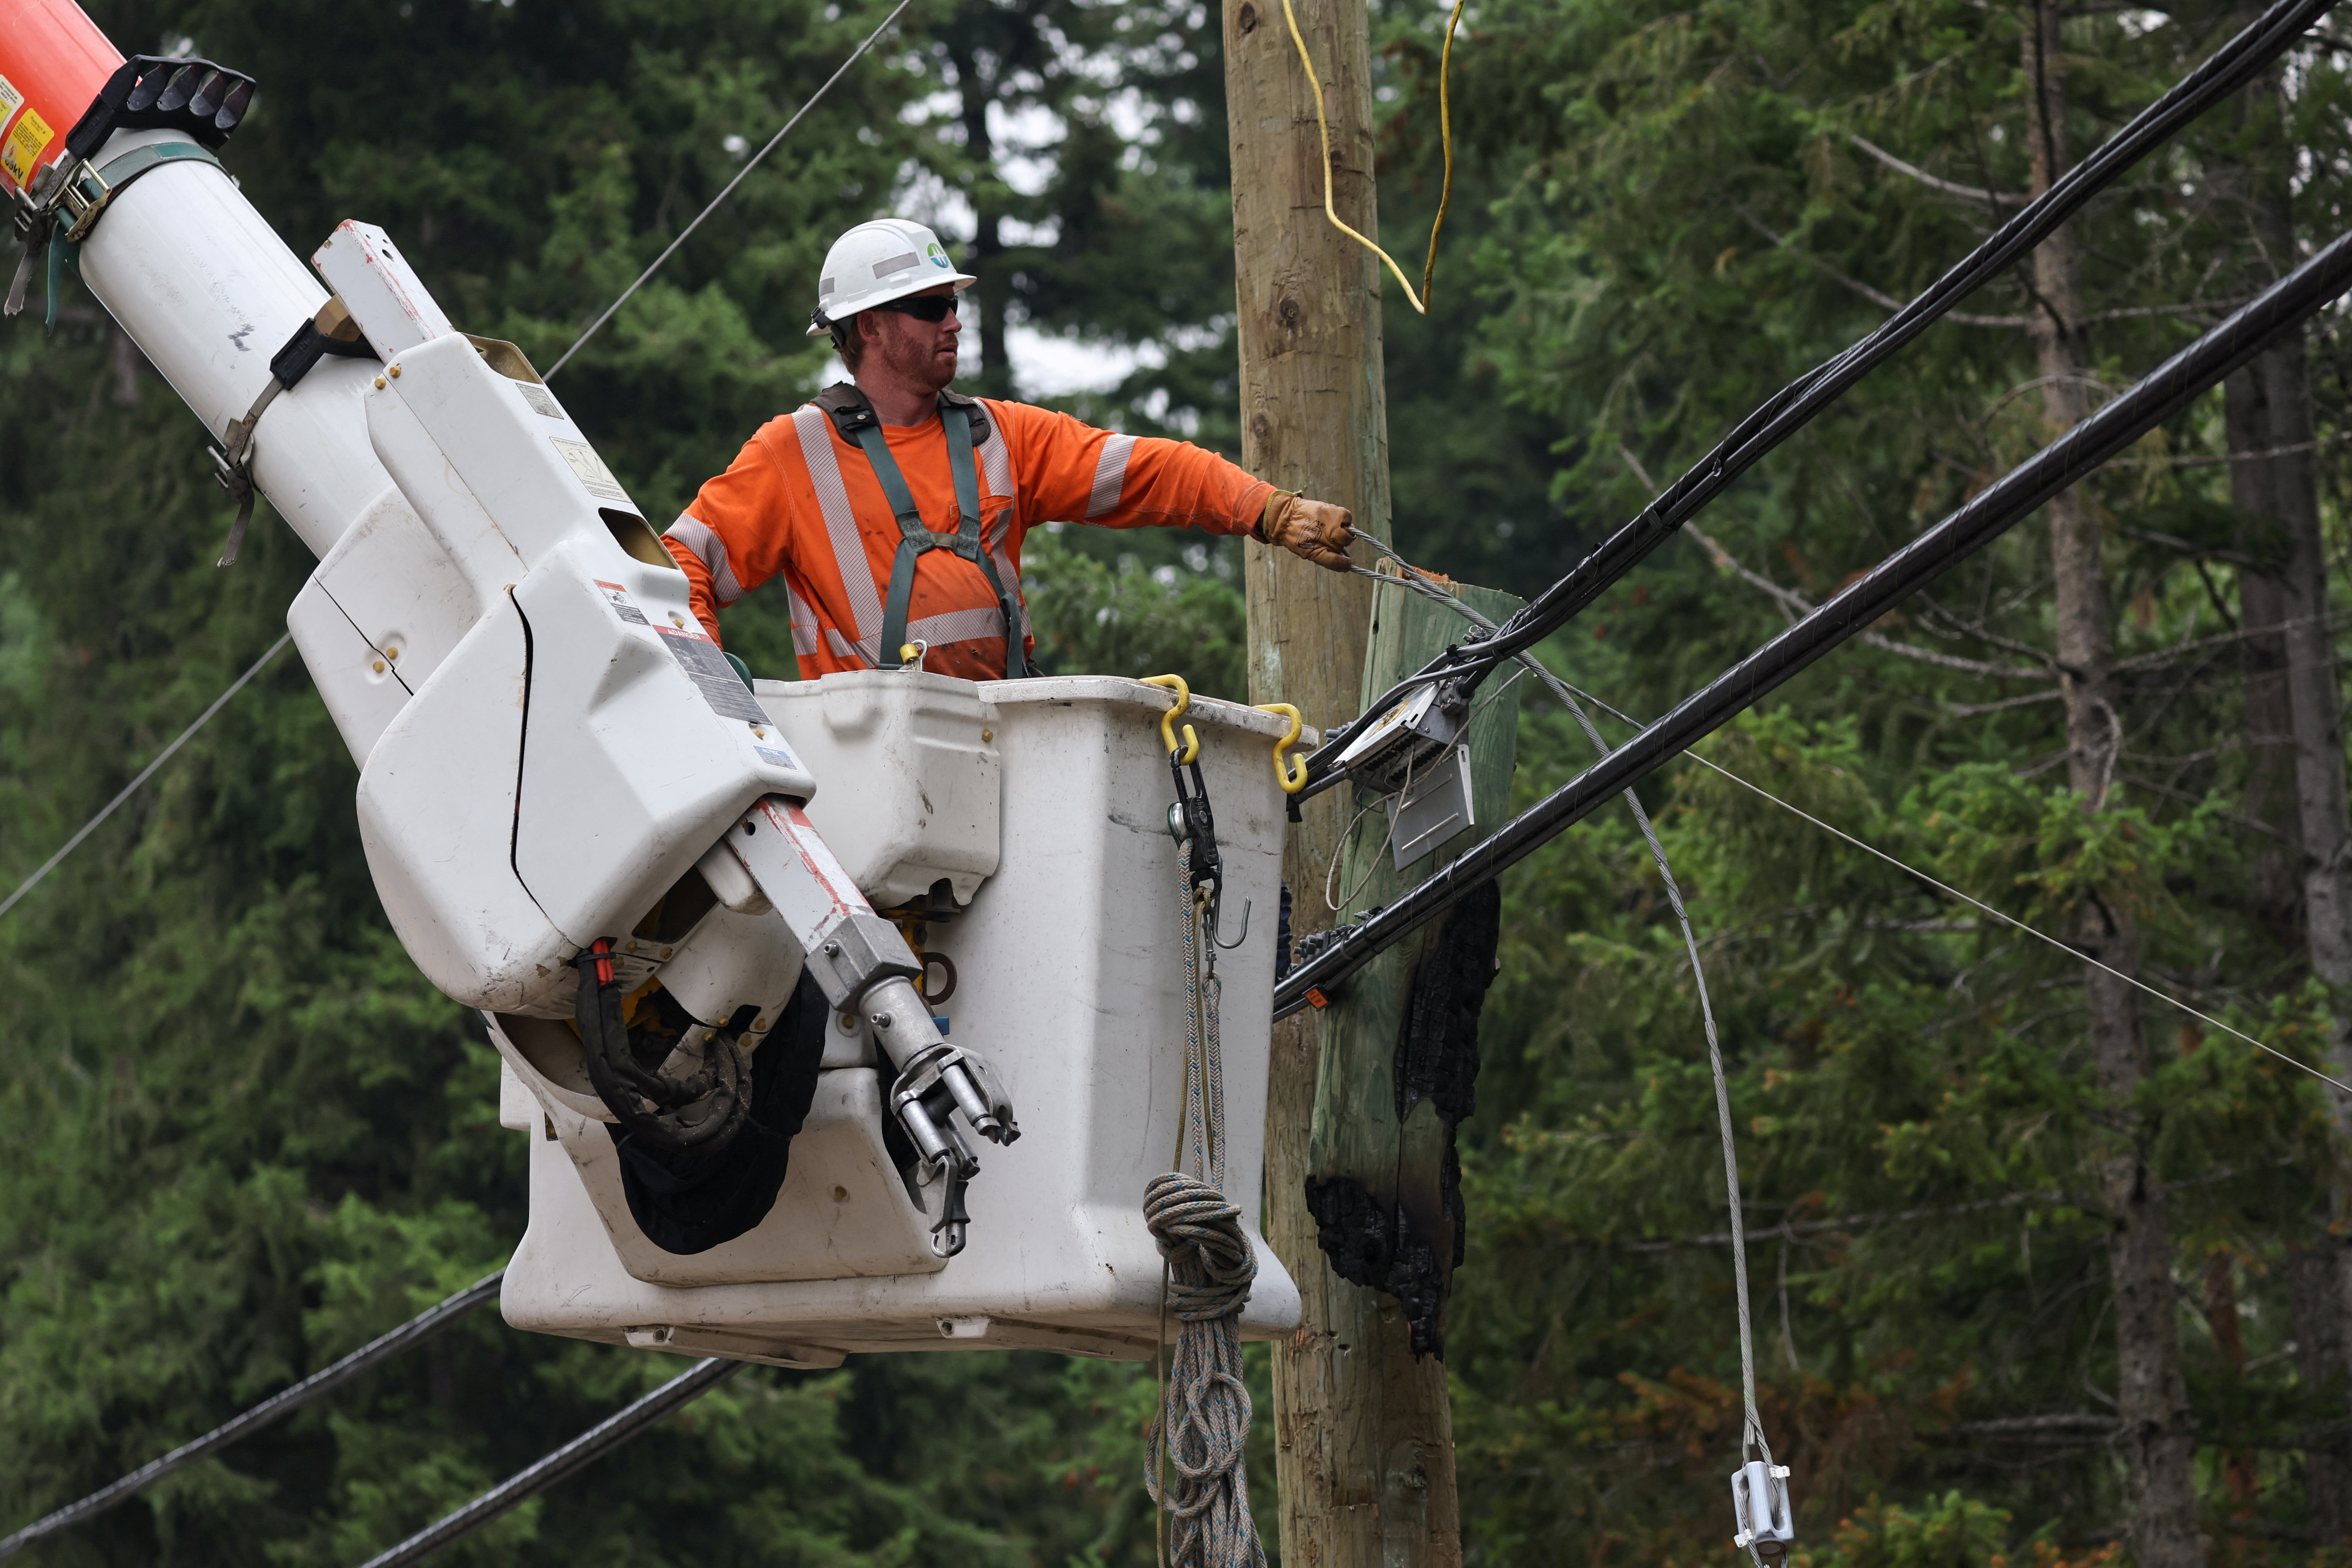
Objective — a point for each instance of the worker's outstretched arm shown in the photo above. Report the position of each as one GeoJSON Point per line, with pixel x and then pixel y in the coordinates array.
{"type": "Point", "coordinates": [1079, 473]}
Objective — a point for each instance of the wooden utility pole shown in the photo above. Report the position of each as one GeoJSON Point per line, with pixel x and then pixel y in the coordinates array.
{"type": "Point", "coordinates": [1352, 1419]}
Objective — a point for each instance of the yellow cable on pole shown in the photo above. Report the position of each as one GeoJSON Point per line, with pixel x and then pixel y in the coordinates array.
{"type": "Point", "coordinates": [1445, 134]}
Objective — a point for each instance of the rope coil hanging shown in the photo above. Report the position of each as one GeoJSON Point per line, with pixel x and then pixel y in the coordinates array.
{"type": "Point", "coordinates": [1203, 1424]}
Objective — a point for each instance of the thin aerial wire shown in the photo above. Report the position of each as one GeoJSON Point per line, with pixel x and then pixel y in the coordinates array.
{"type": "Point", "coordinates": [751, 164]}
{"type": "Point", "coordinates": [2066, 948]}
{"type": "Point", "coordinates": [1421, 582]}
{"type": "Point", "coordinates": [29, 883]}
{"type": "Point", "coordinates": [277, 1407]}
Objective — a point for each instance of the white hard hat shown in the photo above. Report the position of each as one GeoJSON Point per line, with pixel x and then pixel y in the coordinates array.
{"type": "Point", "coordinates": [877, 262]}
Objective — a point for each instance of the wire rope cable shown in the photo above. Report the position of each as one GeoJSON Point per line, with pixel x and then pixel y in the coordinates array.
{"type": "Point", "coordinates": [1753, 1430]}
{"type": "Point", "coordinates": [748, 164]}
{"type": "Point", "coordinates": [1789, 410]}
{"type": "Point", "coordinates": [2008, 920]}
{"type": "Point", "coordinates": [561, 1465]}
{"type": "Point", "coordinates": [108, 809]}
{"type": "Point", "coordinates": [1420, 303]}
{"type": "Point", "coordinates": [275, 1408]}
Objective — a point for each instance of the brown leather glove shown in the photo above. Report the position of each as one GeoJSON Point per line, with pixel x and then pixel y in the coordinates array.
{"type": "Point", "coordinates": [1312, 530]}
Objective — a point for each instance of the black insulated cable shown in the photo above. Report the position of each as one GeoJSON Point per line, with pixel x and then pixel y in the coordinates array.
{"type": "Point", "coordinates": [2223, 72]}
{"type": "Point", "coordinates": [2171, 387]}
{"type": "Point", "coordinates": [277, 1407]}
{"type": "Point", "coordinates": [561, 1465]}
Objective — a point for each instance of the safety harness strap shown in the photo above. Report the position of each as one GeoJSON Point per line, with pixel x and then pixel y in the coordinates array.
{"type": "Point", "coordinates": [915, 539]}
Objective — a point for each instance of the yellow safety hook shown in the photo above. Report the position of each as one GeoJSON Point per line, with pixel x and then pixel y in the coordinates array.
{"type": "Point", "coordinates": [1290, 772]}
{"type": "Point", "coordinates": [1175, 683]}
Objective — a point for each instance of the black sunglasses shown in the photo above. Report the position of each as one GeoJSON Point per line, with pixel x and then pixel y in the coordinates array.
{"type": "Point", "coordinates": [922, 307]}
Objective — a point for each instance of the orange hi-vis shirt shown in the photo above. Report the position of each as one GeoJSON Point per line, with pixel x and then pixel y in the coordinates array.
{"type": "Point", "coordinates": [802, 503]}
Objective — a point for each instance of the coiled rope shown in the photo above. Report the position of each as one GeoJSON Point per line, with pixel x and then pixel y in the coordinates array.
{"type": "Point", "coordinates": [1202, 1426]}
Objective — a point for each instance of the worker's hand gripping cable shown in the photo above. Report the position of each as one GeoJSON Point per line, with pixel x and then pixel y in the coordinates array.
{"type": "Point", "coordinates": [864, 966]}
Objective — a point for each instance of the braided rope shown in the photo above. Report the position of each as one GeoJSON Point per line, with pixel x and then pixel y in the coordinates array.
{"type": "Point", "coordinates": [1204, 1406]}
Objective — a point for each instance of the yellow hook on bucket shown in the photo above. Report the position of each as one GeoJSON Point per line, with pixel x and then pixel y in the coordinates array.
{"type": "Point", "coordinates": [1290, 772]}
{"type": "Point", "coordinates": [1192, 748]}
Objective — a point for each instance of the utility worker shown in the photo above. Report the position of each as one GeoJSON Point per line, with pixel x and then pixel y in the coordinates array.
{"type": "Point", "coordinates": [894, 510]}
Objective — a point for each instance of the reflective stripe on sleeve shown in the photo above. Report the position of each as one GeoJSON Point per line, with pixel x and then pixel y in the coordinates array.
{"type": "Point", "coordinates": [815, 431]}
{"type": "Point", "coordinates": [711, 550]}
{"type": "Point", "coordinates": [1110, 475]}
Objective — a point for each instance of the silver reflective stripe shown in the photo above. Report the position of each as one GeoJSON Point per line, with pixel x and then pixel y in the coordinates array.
{"type": "Point", "coordinates": [815, 431]}
{"type": "Point", "coordinates": [805, 627]}
{"type": "Point", "coordinates": [1110, 475]}
{"type": "Point", "coordinates": [864, 649]}
{"type": "Point", "coordinates": [711, 550]}
{"type": "Point", "coordinates": [956, 625]}
{"type": "Point", "coordinates": [996, 459]}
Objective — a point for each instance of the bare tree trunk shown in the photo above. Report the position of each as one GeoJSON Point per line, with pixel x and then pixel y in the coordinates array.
{"type": "Point", "coordinates": [995, 289]}
{"type": "Point", "coordinates": [2157, 1434]}
{"type": "Point", "coordinates": [2296, 773]}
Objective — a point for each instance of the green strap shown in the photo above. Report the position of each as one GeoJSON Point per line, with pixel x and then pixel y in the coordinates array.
{"type": "Point", "coordinates": [915, 539]}
{"type": "Point", "coordinates": [98, 189]}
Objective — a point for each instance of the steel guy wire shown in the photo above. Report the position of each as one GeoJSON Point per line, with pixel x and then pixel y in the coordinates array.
{"type": "Point", "coordinates": [561, 1465]}
{"type": "Point", "coordinates": [275, 1408]}
{"type": "Point", "coordinates": [29, 883]}
{"type": "Point", "coordinates": [1946, 887]}
{"type": "Point", "coordinates": [1754, 1430]}
{"type": "Point", "coordinates": [748, 164]}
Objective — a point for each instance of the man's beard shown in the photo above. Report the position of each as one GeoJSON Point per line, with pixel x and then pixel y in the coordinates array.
{"type": "Point", "coordinates": [917, 363]}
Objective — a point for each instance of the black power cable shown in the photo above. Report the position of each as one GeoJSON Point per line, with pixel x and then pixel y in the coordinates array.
{"type": "Point", "coordinates": [2229, 69]}
{"type": "Point", "coordinates": [275, 1408]}
{"type": "Point", "coordinates": [2171, 387]}
{"type": "Point", "coordinates": [561, 1465]}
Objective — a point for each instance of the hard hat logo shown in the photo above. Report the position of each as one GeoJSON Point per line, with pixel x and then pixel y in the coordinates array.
{"type": "Point", "coordinates": [877, 262]}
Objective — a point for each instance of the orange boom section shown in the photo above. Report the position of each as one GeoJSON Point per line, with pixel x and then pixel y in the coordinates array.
{"type": "Point", "coordinates": [53, 61]}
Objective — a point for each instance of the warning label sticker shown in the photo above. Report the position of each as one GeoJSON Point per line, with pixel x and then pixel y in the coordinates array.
{"type": "Point", "coordinates": [10, 99]}
{"type": "Point", "coordinates": [618, 597]}
{"type": "Point", "coordinates": [589, 468]}
{"type": "Point", "coordinates": [20, 150]}
{"type": "Point", "coordinates": [712, 675]}
{"type": "Point", "coordinates": [540, 398]}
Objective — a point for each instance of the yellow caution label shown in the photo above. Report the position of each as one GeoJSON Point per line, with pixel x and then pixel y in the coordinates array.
{"type": "Point", "coordinates": [21, 148]}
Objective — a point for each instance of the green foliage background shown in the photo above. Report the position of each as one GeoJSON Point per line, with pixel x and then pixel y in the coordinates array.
{"type": "Point", "coordinates": [243, 1136]}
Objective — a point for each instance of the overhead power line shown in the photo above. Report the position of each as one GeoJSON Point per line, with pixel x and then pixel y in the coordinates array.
{"type": "Point", "coordinates": [561, 1465]}
{"type": "Point", "coordinates": [275, 1408]}
{"type": "Point", "coordinates": [1988, 515]}
{"type": "Point", "coordinates": [1788, 411]}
